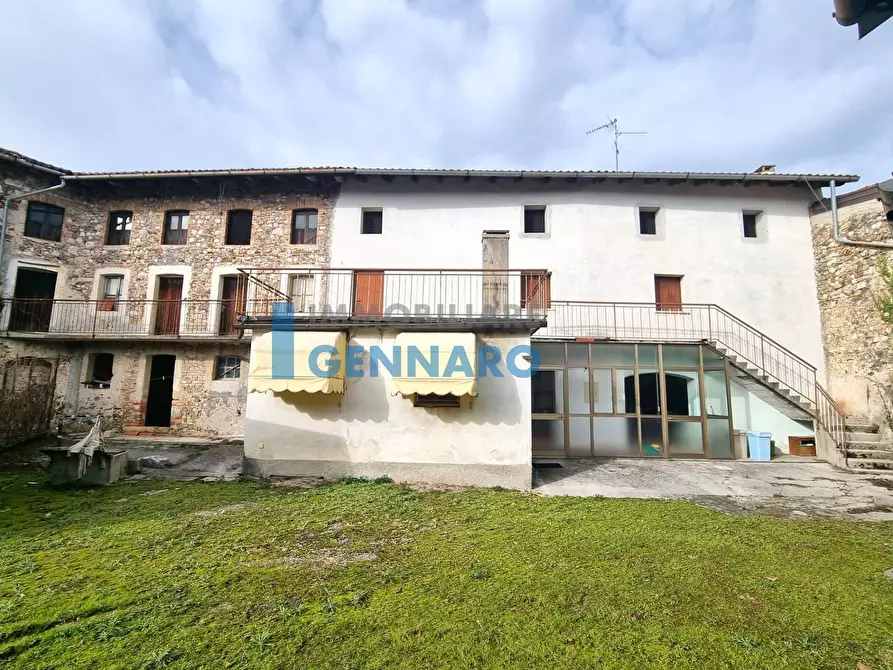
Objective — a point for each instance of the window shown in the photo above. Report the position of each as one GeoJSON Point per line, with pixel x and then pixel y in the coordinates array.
{"type": "Point", "coordinates": [119, 228]}
{"type": "Point", "coordinates": [44, 221]}
{"type": "Point", "coordinates": [111, 292]}
{"type": "Point", "coordinates": [176, 227]}
{"type": "Point", "coordinates": [372, 222]}
{"type": "Point", "coordinates": [750, 224]}
{"type": "Point", "coordinates": [99, 367]}
{"type": "Point", "coordinates": [534, 219]}
{"type": "Point", "coordinates": [648, 220]}
{"type": "Point", "coordinates": [238, 227]}
{"type": "Point", "coordinates": [432, 400]}
{"type": "Point", "coordinates": [668, 293]}
{"type": "Point", "coordinates": [303, 226]}
{"type": "Point", "coordinates": [300, 290]}
{"type": "Point", "coordinates": [227, 367]}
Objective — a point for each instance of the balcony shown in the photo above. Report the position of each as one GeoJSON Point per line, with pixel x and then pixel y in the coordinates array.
{"type": "Point", "coordinates": [120, 319]}
{"type": "Point", "coordinates": [435, 299]}
{"type": "Point", "coordinates": [310, 299]}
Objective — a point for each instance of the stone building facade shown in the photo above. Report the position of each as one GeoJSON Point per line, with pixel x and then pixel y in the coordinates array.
{"type": "Point", "coordinates": [82, 259]}
{"type": "Point", "coordinates": [858, 343]}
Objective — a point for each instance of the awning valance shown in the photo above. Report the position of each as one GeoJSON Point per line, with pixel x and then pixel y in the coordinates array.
{"type": "Point", "coordinates": [297, 361]}
{"type": "Point", "coordinates": [449, 366]}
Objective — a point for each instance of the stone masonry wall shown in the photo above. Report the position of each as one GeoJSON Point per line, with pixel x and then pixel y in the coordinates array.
{"type": "Point", "coordinates": [858, 343]}
{"type": "Point", "coordinates": [201, 405]}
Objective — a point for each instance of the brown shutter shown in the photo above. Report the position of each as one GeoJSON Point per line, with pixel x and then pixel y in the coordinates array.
{"type": "Point", "coordinates": [536, 291]}
{"type": "Point", "coordinates": [668, 293]}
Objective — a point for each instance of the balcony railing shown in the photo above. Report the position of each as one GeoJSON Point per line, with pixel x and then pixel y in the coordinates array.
{"type": "Point", "coordinates": [398, 295]}
{"type": "Point", "coordinates": [121, 318]}
{"type": "Point", "coordinates": [644, 322]}
{"type": "Point", "coordinates": [306, 296]}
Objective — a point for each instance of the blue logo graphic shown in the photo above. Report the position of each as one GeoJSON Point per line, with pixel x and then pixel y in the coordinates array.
{"type": "Point", "coordinates": [324, 360]}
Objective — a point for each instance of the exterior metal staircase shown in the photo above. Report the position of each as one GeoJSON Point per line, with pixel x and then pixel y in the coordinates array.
{"type": "Point", "coordinates": [760, 364]}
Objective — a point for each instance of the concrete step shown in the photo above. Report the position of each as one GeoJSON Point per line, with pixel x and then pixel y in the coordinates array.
{"type": "Point", "coordinates": [860, 424]}
{"type": "Point", "coordinates": [871, 446]}
{"type": "Point", "coordinates": [869, 464]}
{"type": "Point", "coordinates": [871, 454]}
{"type": "Point", "coordinates": [862, 437]}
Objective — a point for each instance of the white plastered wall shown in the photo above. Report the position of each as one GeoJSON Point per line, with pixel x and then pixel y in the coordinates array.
{"type": "Point", "coordinates": [595, 252]}
{"type": "Point", "coordinates": [367, 431]}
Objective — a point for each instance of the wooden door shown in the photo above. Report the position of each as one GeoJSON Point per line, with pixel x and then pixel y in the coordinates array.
{"type": "Point", "coordinates": [167, 310]}
{"type": "Point", "coordinates": [32, 305]}
{"type": "Point", "coordinates": [161, 390]}
{"type": "Point", "coordinates": [495, 247]}
{"type": "Point", "coordinates": [368, 292]}
{"type": "Point", "coordinates": [232, 303]}
{"type": "Point", "coordinates": [668, 294]}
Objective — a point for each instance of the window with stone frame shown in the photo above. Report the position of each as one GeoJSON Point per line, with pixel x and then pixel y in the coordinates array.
{"type": "Point", "coordinates": [303, 226]}
{"type": "Point", "coordinates": [44, 221]}
{"type": "Point", "coordinates": [112, 286]}
{"type": "Point", "coordinates": [227, 367]}
{"type": "Point", "coordinates": [119, 228]}
{"type": "Point", "coordinates": [99, 370]}
{"type": "Point", "coordinates": [176, 227]}
{"type": "Point", "coordinates": [238, 227]}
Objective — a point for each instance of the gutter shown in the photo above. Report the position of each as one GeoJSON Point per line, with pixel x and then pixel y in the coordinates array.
{"type": "Point", "coordinates": [840, 239]}
{"type": "Point", "coordinates": [6, 202]}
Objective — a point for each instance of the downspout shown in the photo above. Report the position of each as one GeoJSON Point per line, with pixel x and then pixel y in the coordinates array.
{"type": "Point", "coordinates": [6, 202]}
{"type": "Point", "coordinates": [835, 221]}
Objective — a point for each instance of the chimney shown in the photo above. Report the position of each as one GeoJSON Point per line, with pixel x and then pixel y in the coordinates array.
{"type": "Point", "coordinates": [765, 169]}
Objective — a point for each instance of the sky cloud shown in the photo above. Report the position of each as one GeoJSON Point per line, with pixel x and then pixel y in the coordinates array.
{"type": "Point", "coordinates": [717, 84]}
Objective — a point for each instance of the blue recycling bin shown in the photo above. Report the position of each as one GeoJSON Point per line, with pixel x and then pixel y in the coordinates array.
{"type": "Point", "coordinates": [758, 446]}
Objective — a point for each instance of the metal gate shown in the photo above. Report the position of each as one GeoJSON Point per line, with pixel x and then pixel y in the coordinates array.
{"type": "Point", "coordinates": [26, 398]}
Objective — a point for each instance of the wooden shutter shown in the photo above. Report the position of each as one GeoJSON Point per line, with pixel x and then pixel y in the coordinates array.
{"type": "Point", "coordinates": [536, 291]}
{"type": "Point", "coordinates": [668, 294]}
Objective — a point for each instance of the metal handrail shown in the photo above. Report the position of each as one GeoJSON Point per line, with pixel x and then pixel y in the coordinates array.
{"type": "Point", "coordinates": [831, 417]}
{"type": "Point", "coordinates": [689, 306]}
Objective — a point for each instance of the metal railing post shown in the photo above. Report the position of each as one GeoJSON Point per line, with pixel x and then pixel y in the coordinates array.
{"type": "Point", "coordinates": [763, 353]}
{"type": "Point", "coordinates": [95, 315]}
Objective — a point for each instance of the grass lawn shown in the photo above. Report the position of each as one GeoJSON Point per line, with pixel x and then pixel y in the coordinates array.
{"type": "Point", "coordinates": [364, 575]}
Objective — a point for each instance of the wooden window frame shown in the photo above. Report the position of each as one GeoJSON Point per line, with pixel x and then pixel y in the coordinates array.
{"type": "Point", "coordinates": [43, 230]}
{"type": "Point", "coordinates": [115, 237]}
{"type": "Point", "coordinates": [229, 233]}
{"type": "Point", "coordinates": [304, 234]}
{"type": "Point", "coordinates": [109, 301]}
{"type": "Point", "coordinates": [179, 235]}
{"type": "Point", "coordinates": [370, 230]}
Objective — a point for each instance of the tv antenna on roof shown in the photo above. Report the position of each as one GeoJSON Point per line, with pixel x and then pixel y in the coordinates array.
{"type": "Point", "coordinates": [615, 127]}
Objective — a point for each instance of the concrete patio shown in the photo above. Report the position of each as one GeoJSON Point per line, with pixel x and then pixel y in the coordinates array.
{"type": "Point", "coordinates": [790, 487]}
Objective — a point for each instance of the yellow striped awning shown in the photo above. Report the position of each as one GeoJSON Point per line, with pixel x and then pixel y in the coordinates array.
{"type": "Point", "coordinates": [448, 355]}
{"type": "Point", "coordinates": [290, 369]}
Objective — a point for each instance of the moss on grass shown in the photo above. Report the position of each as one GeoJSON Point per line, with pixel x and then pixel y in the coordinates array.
{"type": "Point", "coordinates": [372, 575]}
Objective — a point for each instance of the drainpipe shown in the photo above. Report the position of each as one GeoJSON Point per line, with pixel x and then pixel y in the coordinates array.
{"type": "Point", "coordinates": [836, 223]}
{"type": "Point", "coordinates": [6, 202]}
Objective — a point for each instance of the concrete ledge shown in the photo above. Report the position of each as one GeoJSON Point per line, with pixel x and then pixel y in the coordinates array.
{"type": "Point", "coordinates": [459, 474]}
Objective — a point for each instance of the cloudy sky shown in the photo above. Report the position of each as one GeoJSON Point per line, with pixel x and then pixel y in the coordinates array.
{"type": "Point", "coordinates": [717, 84]}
